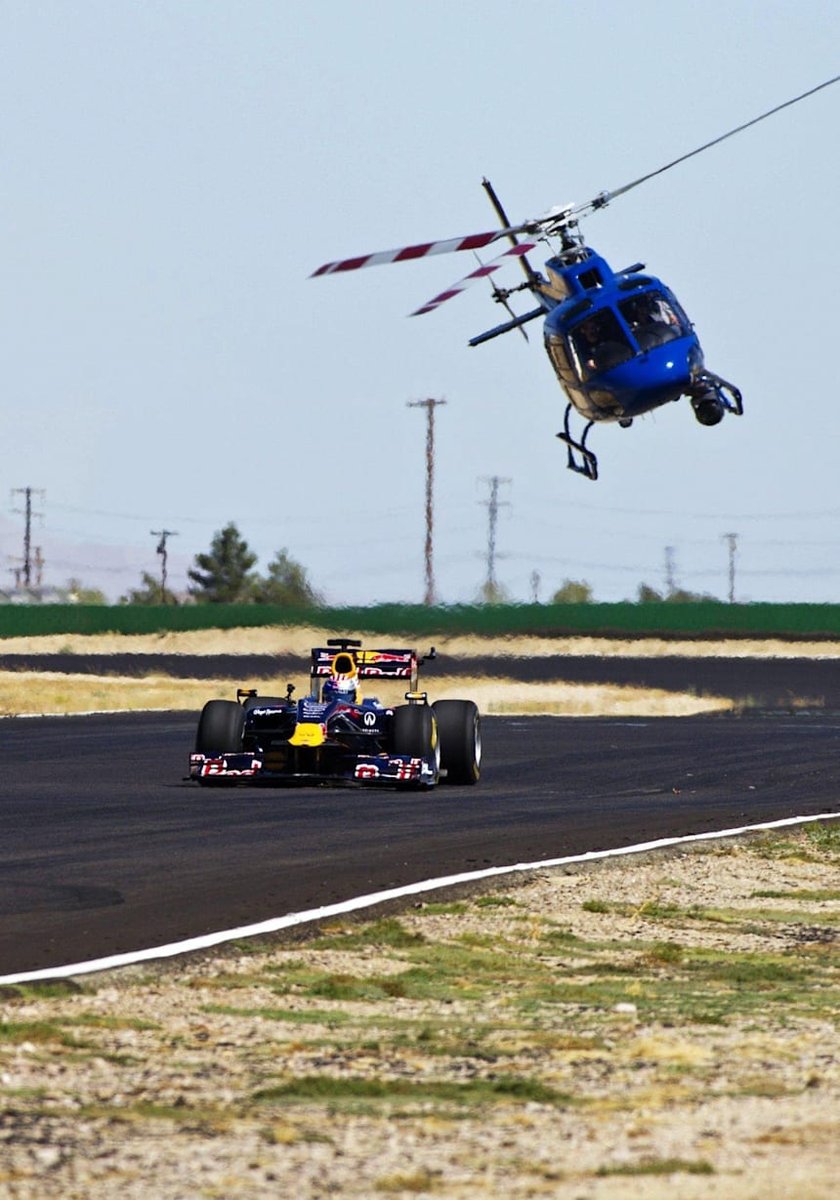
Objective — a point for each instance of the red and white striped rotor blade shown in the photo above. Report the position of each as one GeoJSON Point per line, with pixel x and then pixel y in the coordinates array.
{"type": "Point", "coordinates": [473, 241]}
{"type": "Point", "coordinates": [481, 272]}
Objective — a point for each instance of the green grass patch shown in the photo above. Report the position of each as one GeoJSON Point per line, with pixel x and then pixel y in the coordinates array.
{"type": "Point", "coordinates": [813, 843]}
{"type": "Point", "coordinates": [103, 1021]}
{"type": "Point", "coordinates": [497, 902]}
{"type": "Point", "coordinates": [38, 1032]}
{"type": "Point", "coordinates": [815, 896]}
{"type": "Point", "coordinates": [659, 1166]}
{"type": "Point", "coordinates": [341, 1090]}
{"type": "Point", "coordinates": [51, 989]}
{"type": "Point", "coordinates": [387, 933]}
{"type": "Point", "coordinates": [442, 908]}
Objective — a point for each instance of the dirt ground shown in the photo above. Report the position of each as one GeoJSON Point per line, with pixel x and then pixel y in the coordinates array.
{"type": "Point", "coordinates": [654, 1028]}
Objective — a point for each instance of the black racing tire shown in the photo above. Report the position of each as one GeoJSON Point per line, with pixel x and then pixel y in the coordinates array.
{"type": "Point", "coordinates": [414, 731]}
{"type": "Point", "coordinates": [459, 729]}
{"type": "Point", "coordinates": [220, 728]}
{"type": "Point", "coordinates": [262, 702]}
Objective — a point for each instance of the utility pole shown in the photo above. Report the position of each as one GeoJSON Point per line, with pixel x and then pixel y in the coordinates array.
{"type": "Point", "coordinates": [493, 505]}
{"type": "Point", "coordinates": [732, 539]}
{"type": "Point", "coordinates": [27, 535]}
{"type": "Point", "coordinates": [536, 579]}
{"type": "Point", "coordinates": [430, 406]}
{"type": "Point", "coordinates": [670, 584]}
{"type": "Point", "coordinates": [163, 534]}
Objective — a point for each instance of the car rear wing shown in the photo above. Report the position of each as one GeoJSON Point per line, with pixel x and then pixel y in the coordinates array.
{"type": "Point", "coordinates": [370, 664]}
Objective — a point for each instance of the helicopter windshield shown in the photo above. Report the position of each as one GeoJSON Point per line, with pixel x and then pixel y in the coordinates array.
{"type": "Point", "coordinates": [599, 343]}
{"type": "Point", "coordinates": [652, 320]}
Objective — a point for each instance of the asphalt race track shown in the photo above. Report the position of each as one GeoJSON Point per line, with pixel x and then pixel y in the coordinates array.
{"type": "Point", "coordinates": [763, 682]}
{"type": "Point", "coordinates": [106, 849]}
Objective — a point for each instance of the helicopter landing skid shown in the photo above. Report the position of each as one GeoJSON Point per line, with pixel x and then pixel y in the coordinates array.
{"type": "Point", "coordinates": [586, 464]}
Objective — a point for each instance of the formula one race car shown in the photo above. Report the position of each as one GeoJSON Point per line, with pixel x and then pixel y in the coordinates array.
{"type": "Point", "coordinates": [333, 735]}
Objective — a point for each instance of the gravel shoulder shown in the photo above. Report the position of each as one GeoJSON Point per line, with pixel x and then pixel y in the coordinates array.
{"type": "Point", "coordinates": [660, 1026]}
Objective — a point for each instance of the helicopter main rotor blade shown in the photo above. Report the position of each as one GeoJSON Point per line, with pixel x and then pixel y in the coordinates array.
{"type": "Point", "coordinates": [472, 241]}
{"type": "Point", "coordinates": [481, 272]}
{"type": "Point", "coordinates": [606, 197]}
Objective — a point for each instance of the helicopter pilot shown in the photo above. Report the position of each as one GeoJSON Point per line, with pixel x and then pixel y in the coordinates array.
{"type": "Point", "coordinates": [601, 342]}
{"type": "Point", "coordinates": [652, 320]}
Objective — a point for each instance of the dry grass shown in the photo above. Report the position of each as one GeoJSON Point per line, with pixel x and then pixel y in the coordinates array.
{"type": "Point", "coordinates": [26, 692]}
{"type": "Point", "coordinates": [299, 640]}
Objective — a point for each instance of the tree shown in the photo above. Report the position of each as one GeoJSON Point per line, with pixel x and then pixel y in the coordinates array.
{"type": "Point", "coordinates": [77, 593]}
{"type": "Point", "coordinates": [492, 592]}
{"type": "Point", "coordinates": [648, 595]}
{"type": "Point", "coordinates": [573, 591]}
{"type": "Point", "coordinates": [223, 575]}
{"type": "Point", "coordinates": [149, 592]}
{"type": "Point", "coordinates": [285, 583]}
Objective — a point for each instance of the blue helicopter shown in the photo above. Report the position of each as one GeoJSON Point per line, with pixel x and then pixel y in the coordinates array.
{"type": "Point", "coordinates": [619, 341]}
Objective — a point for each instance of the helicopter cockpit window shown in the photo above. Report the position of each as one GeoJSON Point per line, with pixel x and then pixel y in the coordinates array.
{"type": "Point", "coordinates": [599, 343]}
{"type": "Point", "coordinates": [652, 320]}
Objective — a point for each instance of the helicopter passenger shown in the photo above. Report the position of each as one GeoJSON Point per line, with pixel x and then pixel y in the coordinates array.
{"type": "Point", "coordinates": [652, 320]}
{"type": "Point", "coordinates": [600, 343]}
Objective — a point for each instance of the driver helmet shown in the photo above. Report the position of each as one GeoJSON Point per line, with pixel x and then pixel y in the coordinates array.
{"type": "Point", "coordinates": [343, 683]}
{"type": "Point", "coordinates": [340, 687]}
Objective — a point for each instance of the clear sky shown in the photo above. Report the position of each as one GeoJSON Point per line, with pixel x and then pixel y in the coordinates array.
{"type": "Point", "coordinates": [174, 171]}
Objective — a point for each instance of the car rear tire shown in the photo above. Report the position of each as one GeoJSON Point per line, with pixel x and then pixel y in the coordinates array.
{"type": "Point", "coordinates": [459, 729]}
{"type": "Point", "coordinates": [220, 728]}
{"type": "Point", "coordinates": [262, 702]}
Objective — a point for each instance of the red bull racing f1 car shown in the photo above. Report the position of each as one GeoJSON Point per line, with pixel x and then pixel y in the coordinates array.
{"type": "Point", "coordinates": [335, 735]}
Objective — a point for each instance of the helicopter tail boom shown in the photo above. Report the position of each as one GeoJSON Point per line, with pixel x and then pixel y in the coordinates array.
{"type": "Point", "coordinates": [506, 327]}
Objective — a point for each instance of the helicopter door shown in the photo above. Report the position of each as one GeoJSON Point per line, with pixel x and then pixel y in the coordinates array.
{"type": "Point", "coordinates": [599, 343]}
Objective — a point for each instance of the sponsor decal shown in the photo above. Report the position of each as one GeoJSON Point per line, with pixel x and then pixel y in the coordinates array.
{"type": "Point", "coordinates": [366, 771]}
{"type": "Point", "coordinates": [309, 733]}
{"type": "Point", "coordinates": [369, 718]}
{"type": "Point", "coordinates": [218, 766]}
{"type": "Point", "coordinates": [390, 673]}
{"type": "Point", "coordinates": [391, 656]}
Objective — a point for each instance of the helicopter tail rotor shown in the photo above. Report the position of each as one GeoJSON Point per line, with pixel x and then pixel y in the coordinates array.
{"type": "Point", "coordinates": [483, 271]}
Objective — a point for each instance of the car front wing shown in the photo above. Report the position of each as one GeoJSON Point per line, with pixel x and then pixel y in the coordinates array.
{"type": "Point", "coordinates": [363, 769]}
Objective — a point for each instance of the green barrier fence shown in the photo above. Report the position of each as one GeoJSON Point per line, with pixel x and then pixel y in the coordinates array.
{"type": "Point", "coordinates": [701, 620]}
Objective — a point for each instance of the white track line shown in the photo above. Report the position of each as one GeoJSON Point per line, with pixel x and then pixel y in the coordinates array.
{"type": "Point", "coordinates": [358, 902]}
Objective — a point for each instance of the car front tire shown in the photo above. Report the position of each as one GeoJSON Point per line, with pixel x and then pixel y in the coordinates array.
{"type": "Point", "coordinates": [459, 728]}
